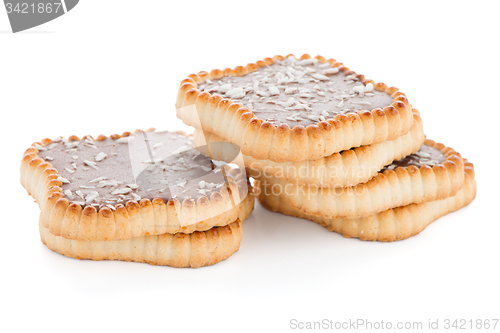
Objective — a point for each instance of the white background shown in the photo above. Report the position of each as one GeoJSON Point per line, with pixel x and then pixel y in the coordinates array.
{"type": "Point", "coordinates": [114, 66]}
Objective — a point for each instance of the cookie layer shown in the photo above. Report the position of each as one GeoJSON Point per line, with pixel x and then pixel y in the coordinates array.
{"type": "Point", "coordinates": [200, 248]}
{"type": "Point", "coordinates": [322, 125]}
{"type": "Point", "coordinates": [391, 225]}
{"type": "Point", "coordinates": [388, 189]}
{"type": "Point", "coordinates": [347, 168]}
{"type": "Point", "coordinates": [63, 213]}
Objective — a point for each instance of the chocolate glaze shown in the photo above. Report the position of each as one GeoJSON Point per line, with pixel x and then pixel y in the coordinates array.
{"type": "Point", "coordinates": [325, 95]}
{"type": "Point", "coordinates": [427, 155]}
{"type": "Point", "coordinates": [160, 163]}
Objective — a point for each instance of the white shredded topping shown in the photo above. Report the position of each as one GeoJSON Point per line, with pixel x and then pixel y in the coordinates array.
{"type": "Point", "coordinates": [37, 146]}
{"type": "Point", "coordinates": [104, 183]}
{"type": "Point", "coordinates": [273, 91]}
{"type": "Point", "coordinates": [359, 89]}
{"type": "Point", "coordinates": [203, 192]}
{"type": "Point", "coordinates": [97, 179]}
{"type": "Point", "coordinates": [72, 145]}
{"type": "Point", "coordinates": [423, 154]}
{"type": "Point", "coordinates": [159, 144]}
{"type": "Point", "coordinates": [225, 88]}
{"type": "Point", "coordinates": [69, 194]}
{"type": "Point", "coordinates": [333, 70]}
{"type": "Point", "coordinates": [236, 93]}
{"type": "Point", "coordinates": [180, 150]}
{"type": "Point", "coordinates": [122, 140]}
{"type": "Point", "coordinates": [306, 62]}
{"type": "Point", "coordinates": [320, 77]}
{"type": "Point", "coordinates": [63, 180]}
{"type": "Point", "coordinates": [121, 191]}
{"type": "Point", "coordinates": [136, 197]}
{"type": "Point", "coordinates": [91, 164]}
{"type": "Point", "coordinates": [101, 156]}
{"type": "Point", "coordinates": [181, 182]}
{"type": "Point", "coordinates": [91, 197]}
{"type": "Point", "coordinates": [69, 170]}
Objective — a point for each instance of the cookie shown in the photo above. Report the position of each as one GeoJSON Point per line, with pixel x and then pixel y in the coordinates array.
{"type": "Point", "coordinates": [435, 172]}
{"type": "Point", "coordinates": [391, 225]}
{"type": "Point", "coordinates": [347, 168]}
{"type": "Point", "coordinates": [200, 248]}
{"type": "Point", "coordinates": [130, 185]}
{"type": "Point", "coordinates": [286, 109]}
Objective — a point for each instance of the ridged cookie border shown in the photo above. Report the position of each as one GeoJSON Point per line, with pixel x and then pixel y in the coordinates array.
{"type": "Point", "coordinates": [391, 225]}
{"type": "Point", "coordinates": [346, 168]}
{"type": "Point", "coordinates": [388, 189]}
{"type": "Point", "coordinates": [265, 141]}
{"type": "Point", "coordinates": [200, 248]}
{"type": "Point", "coordinates": [134, 219]}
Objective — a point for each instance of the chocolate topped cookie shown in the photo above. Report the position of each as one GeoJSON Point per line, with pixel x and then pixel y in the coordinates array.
{"type": "Point", "coordinates": [145, 183]}
{"type": "Point", "coordinates": [287, 109]}
{"type": "Point", "coordinates": [434, 173]}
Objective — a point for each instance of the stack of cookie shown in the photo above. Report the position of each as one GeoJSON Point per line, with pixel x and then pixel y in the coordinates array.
{"type": "Point", "coordinates": [328, 145]}
{"type": "Point", "coordinates": [143, 196]}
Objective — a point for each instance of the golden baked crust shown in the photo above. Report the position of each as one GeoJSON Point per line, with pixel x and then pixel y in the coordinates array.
{"type": "Point", "coordinates": [263, 140]}
{"type": "Point", "coordinates": [346, 168]}
{"type": "Point", "coordinates": [70, 220]}
{"type": "Point", "coordinates": [391, 225]}
{"type": "Point", "coordinates": [200, 248]}
{"type": "Point", "coordinates": [388, 189]}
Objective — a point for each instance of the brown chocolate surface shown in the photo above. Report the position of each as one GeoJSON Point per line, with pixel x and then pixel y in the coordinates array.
{"type": "Point", "coordinates": [425, 156]}
{"type": "Point", "coordinates": [145, 165]}
{"type": "Point", "coordinates": [298, 92]}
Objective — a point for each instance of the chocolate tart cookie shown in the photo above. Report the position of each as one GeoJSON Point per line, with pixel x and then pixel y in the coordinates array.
{"type": "Point", "coordinates": [347, 168]}
{"type": "Point", "coordinates": [130, 185]}
{"type": "Point", "coordinates": [287, 109]}
{"type": "Point", "coordinates": [391, 225]}
{"type": "Point", "coordinates": [434, 172]}
{"type": "Point", "coordinates": [200, 248]}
